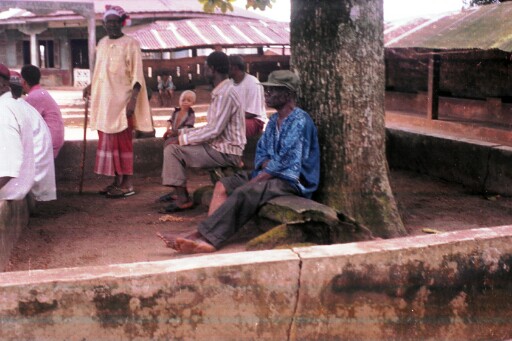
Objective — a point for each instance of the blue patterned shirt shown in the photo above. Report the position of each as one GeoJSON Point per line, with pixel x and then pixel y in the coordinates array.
{"type": "Point", "coordinates": [293, 151]}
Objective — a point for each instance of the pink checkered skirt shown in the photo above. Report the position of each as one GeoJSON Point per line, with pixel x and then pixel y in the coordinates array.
{"type": "Point", "coordinates": [115, 153]}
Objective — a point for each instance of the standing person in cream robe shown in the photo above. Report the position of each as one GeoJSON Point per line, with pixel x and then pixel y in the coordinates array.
{"type": "Point", "coordinates": [119, 103]}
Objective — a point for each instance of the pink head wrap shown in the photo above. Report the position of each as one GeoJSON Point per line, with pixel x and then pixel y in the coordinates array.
{"type": "Point", "coordinates": [117, 11]}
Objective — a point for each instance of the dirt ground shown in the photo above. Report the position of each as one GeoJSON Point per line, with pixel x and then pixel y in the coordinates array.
{"type": "Point", "coordinates": [89, 229]}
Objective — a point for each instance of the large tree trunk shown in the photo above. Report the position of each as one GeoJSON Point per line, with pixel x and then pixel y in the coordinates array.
{"type": "Point", "coordinates": [337, 49]}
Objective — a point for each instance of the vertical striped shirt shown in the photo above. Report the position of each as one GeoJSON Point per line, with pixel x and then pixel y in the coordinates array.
{"type": "Point", "coordinates": [225, 130]}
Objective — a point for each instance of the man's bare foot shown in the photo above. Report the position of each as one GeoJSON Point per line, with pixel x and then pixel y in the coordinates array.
{"type": "Point", "coordinates": [170, 238]}
{"type": "Point", "coordinates": [190, 246]}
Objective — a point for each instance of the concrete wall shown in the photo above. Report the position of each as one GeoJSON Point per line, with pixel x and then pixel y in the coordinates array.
{"type": "Point", "coordinates": [147, 158]}
{"type": "Point", "coordinates": [482, 167]}
{"type": "Point", "coordinates": [451, 286]}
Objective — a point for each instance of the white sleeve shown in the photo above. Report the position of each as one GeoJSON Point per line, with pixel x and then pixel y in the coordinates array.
{"type": "Point", "coordinates": [11, 148]}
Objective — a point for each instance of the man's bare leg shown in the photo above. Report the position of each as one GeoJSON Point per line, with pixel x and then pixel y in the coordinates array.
{"type": "Point", "coordinates": [218, 198]}
{"type": "Point", "coordinates": [190, 246]}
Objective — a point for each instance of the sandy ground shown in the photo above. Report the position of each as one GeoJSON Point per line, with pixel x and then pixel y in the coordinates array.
{"type": "Point", "coordinates": [89, 229]}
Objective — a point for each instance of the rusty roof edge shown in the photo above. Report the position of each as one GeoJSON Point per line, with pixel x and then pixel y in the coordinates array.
{"type": "Point", "coordinates": [485, 27]}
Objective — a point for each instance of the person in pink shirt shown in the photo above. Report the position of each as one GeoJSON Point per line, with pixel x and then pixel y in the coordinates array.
{"type": "Point", "coordinates": [44, 103]}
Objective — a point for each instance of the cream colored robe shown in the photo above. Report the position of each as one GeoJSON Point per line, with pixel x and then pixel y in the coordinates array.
{"type": "Point", "coordinates": [118, 68]}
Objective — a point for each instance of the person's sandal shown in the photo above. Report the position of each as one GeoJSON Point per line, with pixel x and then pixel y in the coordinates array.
{"type": "Point", "coordinates": [177, 207]}
{"type": "Point", "coordinates": [117, 192]}
{"type": "Point", "coordinates": [169, 197]}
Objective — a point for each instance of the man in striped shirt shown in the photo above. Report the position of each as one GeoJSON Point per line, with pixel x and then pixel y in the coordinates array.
{"type": "Point", "coordinates": [220, 143]}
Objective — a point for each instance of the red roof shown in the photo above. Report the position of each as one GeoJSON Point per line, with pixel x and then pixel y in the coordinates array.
{"type": "Point", "coordinates": [180, 34]}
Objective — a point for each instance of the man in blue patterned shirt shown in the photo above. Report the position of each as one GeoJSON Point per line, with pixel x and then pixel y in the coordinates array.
{"type": "Point", "coordinates": [287, 162]}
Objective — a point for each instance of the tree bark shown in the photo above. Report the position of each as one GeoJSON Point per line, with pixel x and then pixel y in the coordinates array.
{"type": "Point", "coordinates": [337, 48]}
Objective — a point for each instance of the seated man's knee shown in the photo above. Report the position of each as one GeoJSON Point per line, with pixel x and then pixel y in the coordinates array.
{"type": "Point", "coordinates": [249, 190]}
{"type": "Point", "coordinates": [172, 153]}
{"type": "Point", "coordinates": [171, 149]}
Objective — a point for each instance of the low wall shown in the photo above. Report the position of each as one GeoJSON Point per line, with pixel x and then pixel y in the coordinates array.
{"type": "Point", "coordinates": [147, 158]}
{"type": "Point", "coordinates": [451, 286]}
{"type": "Point", "coordinates": [482, 167]}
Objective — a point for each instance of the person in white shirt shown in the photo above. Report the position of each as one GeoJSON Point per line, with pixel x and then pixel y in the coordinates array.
{"type": "Point", "coordinates": [44, 188]}
{"type": "Point", "coordinates": [17, 163]}
{"type": "Point", "coordinates": [251, 94]}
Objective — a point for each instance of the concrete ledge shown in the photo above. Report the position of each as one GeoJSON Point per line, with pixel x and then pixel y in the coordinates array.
{"type": "Point", "coordinates": [451, 286]}
{"type": "Point", "coordinates": [221, 297]}
{"type": "Point", "coordinates": [480, 166]}
{"type": "Point", "coordinates": [13, 219]}
{"type": "Point", "coordinates": [147, 158]}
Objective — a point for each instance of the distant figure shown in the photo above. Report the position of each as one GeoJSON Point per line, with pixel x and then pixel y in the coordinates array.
{"type": "Point", "coordinates": [287, 162]}
{"type": "Point", "coordinates": [251, 94]}
{"type": "Point", "coordinates": [165, 90]}
{"type": "Point", "coordinates": [45, 104]}
{"type": "Point", "coordinates": [182, 117]}
{"type": "Point", "coordinates": [119, 103]}
{"type": "Point", "coordinates": [17, 163]}
{"type": "Point", "coordinates": [44, 188]}
{"type": "Point", "coordinates": [219, 143]}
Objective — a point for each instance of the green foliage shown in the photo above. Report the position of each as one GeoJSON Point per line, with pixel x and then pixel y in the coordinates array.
{"type": "Point", "coordinates": [261, 4]}
{"type": "Point", "coordinates": [209, 6]}
{"type": "Point", "coordinates": [471, 3]}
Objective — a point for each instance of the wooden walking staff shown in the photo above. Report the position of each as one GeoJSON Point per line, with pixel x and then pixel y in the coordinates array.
{"type": "Point", "coordinates": [84, 146]}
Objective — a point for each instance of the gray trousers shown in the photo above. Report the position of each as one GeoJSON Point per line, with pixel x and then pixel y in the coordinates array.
{"type": "Point", "coordinates": [241, 205]}
{"type": "Point", "coordinates": [177, 158]}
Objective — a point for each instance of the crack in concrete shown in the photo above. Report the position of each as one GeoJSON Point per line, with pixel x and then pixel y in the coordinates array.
{"type": "Point", "coordinates": [292, 321]}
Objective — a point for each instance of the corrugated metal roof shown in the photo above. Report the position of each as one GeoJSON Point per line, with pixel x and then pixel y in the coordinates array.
{"type": "Point", "coordinates": [185, 6]}
{"type": "Point", "coordinates": [485, 27]}
{"type": "Point", "coordinates": [177, 8]}
{"type": "Point", "coordinates": [179, 34]}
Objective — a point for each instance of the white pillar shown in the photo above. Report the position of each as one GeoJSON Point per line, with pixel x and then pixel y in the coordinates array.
{"type": "Point", "coordinates": [33, 30]}
{"type": "Point", "coordinates": [34, 50]}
